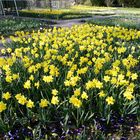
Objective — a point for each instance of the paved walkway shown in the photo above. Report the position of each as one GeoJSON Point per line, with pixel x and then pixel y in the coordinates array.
{"type": "Point", "coordinates": [70, 23]}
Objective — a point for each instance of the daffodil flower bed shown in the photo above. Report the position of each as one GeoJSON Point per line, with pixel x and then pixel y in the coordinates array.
{"type": "Point", "coordinates": [54, 14]}
{"type": "Point", "coordinates": [70, 75]}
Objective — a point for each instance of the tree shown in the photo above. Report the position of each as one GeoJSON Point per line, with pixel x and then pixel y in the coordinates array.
{"type": "Point", "coordinates": [50, 5]}
{"type": "Point", "coordinates": [109, 2]}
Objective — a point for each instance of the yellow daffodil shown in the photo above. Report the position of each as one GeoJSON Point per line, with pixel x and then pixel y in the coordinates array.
{"type": "Point", "coordinates": [75, 101]}
{"type": "Point", "coordinates": [30, 104]}
{"type": "Point", "coordinates": [106, 78]}
{"type": "Point", "coordinates": [77, 92]}
{"type": "Point", "coordinates": [110, 100]}
{"type": "Point", "coordinates": [54, 92]}
{"type": "Point", "coordinates": [2, 106]}
{"type": "Point", "coordinates": [128, 95]}
{"type": "Point", "coordinates": [55, 100]}
{"type": "Point", "coordinates": [43, 103]}
{"type": "Point", "coordinates": [101, 94]}
{"type": "Point", "coordinates": [48, 79]}
{"type": "Point", "coordinates": [6, 95]}
{"type": "Point", "coordinates": [22, 100]}
{"type": "Point", "coordinates": [27, 84]}
{"type": "Point", "coordinates": [37, 84]}
{"type": "Point", "coordinates": [84, 95]}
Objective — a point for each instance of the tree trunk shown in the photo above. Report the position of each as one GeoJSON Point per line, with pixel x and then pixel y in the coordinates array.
{"type": "Point", "coordinates": [50, 5]}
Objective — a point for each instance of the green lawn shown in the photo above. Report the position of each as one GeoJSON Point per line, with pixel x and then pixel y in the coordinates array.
{"type": "Point", "coordinates": [124, 21]}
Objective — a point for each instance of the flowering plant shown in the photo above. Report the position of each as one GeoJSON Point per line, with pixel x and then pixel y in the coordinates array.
{"type": "Point", "coordinates": [54, 14]}
{"type": "Point", "coordinates": [70, 74]}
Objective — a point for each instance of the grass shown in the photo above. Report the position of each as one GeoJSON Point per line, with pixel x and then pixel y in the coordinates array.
{"type": "Point", "coordinates": [123, 21]}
